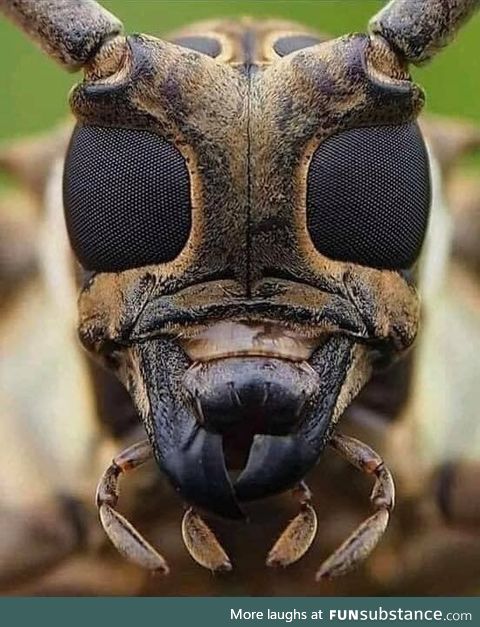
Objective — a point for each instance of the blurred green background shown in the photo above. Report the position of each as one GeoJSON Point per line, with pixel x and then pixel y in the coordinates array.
{"type": "Point", "coordinates": [34, 91]}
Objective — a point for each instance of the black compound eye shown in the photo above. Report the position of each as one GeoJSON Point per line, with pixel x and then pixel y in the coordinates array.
{"type": "Point", "coordinates": [368, 196]}
{"type": "Point", "coordinates": [127, 198]}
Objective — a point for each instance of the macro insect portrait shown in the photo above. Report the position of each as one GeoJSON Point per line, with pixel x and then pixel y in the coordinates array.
{"type": "Point", "coordinates": [240, 280]}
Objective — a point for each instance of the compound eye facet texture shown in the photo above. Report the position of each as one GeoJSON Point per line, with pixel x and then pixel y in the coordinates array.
{"type": "Point", "coordinates": [127, 198]}
{"type": "Point", "coordinates": [368, 196]}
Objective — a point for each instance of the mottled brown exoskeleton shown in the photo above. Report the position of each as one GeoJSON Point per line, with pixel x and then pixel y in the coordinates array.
{"type": "Point", "coordinates": [248, 204]}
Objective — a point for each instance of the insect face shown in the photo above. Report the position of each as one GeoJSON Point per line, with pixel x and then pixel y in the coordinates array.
{"type": "Point", "coordinates": [249, 203]}
{"type": "Point", "coordinates": [246, 226]}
